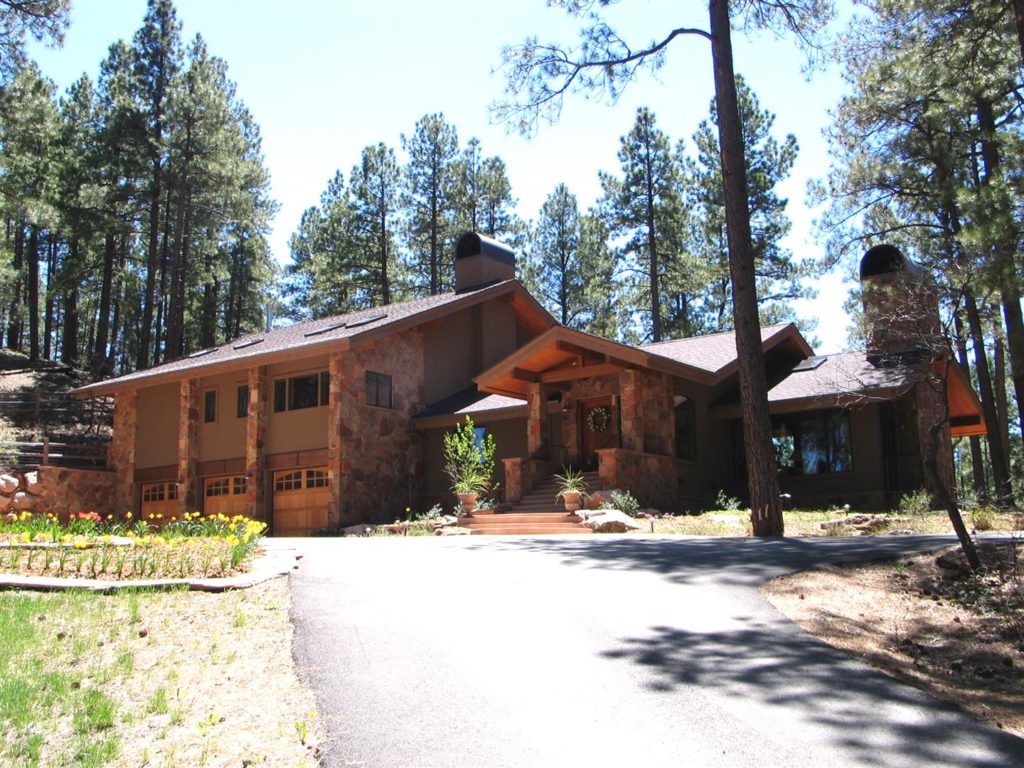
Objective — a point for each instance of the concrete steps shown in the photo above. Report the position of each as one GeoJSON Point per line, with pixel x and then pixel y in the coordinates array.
{"type": "Point", "coordinates": [538, 513]}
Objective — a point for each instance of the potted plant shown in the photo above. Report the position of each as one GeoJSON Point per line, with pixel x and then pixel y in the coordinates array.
{"type": "Point", "coordinates": [469, 463]}
{"type": "Point", "coordinates": [571, 488]}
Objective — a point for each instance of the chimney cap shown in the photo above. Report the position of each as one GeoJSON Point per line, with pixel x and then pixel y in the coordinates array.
{"type": "Point", "coordinates": [475, 244]}
{"type": "Point", "coordinates": [887, 259]}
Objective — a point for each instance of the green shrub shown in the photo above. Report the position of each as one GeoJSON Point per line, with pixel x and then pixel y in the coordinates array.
{"type": "Point", "coordinates": [916, 504]}
{"type": "Point", "coordinates": [727, 503]}
{"type": "Point", "coordinates": [984, 518]}
{"type": "Point", "coordinates": [624, 501]}
{"type": "Point", "coordinates": [469, 462]}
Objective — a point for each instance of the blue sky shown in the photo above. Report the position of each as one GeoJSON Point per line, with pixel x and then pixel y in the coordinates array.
{"type": "Point", "coordinates": [326, 78]}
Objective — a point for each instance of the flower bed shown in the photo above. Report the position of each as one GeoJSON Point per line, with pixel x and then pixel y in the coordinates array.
{"type": "Point", "coordinates": [91, 546]}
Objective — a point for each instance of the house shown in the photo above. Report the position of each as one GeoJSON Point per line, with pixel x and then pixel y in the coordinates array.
{"type": "Point", "coordinates": [341, 420]}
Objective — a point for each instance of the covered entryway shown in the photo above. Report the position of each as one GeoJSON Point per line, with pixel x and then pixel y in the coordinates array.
{"type": "Point", "coordinates": [598, 428]}
{"type": "Point", "coordinates": [301, 497]}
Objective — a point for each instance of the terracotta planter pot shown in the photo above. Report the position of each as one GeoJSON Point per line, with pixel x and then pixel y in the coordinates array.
{"type": "Point", "coordinates": [572, 500]}
{"type": "Point", "coordinates": [468, 502]}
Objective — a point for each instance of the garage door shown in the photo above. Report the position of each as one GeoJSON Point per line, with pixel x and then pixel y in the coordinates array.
{"type": "Point", "coordinates": [159, 501]}
{"type": "Point", "coordinates": [224, 495]}
{"type": "Point", "coordinates": [300, 501]}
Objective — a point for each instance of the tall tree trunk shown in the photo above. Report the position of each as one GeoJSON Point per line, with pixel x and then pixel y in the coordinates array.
{"type": "Point", "coordinates": [762, 473]}
{"type": "Point", "coordinates": [99, 350]}
{"type": "Point", "coordinates": [14, 326]}
{"type": "Point", "coordinates": [51, 268]}
{"type": "Point", "coordinates": [33, 292]}
{"type": "Point", "coordinates": [385, 277]}
{"type": "Point", "coordinates": [977, 460]}
{"type": "Point", "coordinates": [1018, 14]}
{"type": "Point", "coordinates": [69, 337]}
{"type": "Point", "coordinates": [1000, 466]}
{"type": "Point", "coordinates": [174, 347]}
{"type": "Point", "coordinates": [142, 358]}
{"type": "Point", "coordinates": [1005, 268]}
{"type": "Point", "coordinates": [1002, 404]}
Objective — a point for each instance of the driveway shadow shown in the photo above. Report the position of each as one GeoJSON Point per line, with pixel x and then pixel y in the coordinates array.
{"type": "Point", "coordinates": [861, 712]}
{"type": "Point", "coordinates": [742, 561]}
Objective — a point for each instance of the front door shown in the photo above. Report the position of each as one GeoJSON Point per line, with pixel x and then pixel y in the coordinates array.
{"type": "Point", "coordinates": [599, 428]}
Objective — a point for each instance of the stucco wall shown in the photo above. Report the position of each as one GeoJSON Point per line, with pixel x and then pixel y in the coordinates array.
{"type": "Point", "coordinates": [225, 437]}
{"type": "Point", "coordinates": [448, 356]}
{"type": "Point", "coordinates": [157, 426]}
{"type": "Point", "coordinates": [301, 430]}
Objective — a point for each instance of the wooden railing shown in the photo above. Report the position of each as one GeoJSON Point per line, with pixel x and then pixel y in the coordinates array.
{"type": "Point", "coordinates": [43, 409]}
{"type": "Point", "coordinates": [27, 456]}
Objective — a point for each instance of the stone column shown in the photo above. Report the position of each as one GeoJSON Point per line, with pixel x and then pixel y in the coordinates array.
{"type": "Point", "coordinates": [334, 441]}
{"type": "Point", "coordinates": [121, 452]}
{"type": "Point", "coordinates": [535, 419]}
{"type": "Point", "coordinates": [513, 479]}
{"type": "Point", "coordinates": [188, 446]}
{"type": "Point", "coordinates": [630, 418]}
{"type": "Point", "coordinates": [930, 411]}
{"type": "Point", "coordinates": [255, 441]}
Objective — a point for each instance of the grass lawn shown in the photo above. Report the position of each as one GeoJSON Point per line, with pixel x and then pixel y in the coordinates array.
{"type": "Point", "coordinates": [151, 679]}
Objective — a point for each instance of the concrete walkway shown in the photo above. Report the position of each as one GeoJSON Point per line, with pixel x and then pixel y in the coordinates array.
{"type": "Point", "coordinates": [601, 651]}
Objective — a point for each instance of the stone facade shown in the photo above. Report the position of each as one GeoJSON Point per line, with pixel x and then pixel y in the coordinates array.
{"type": "Point", "coordinates": [61, 491]}
{"type": "Point", "coordinates": [374, 452]}
{"type": "Point", "coordinates": [188, 446]}
{"type": "Point", "coordinates": [121, 452]}
{"type": "Point", "coordinates": [649, 477]}
{"type": "Point", "coordinates": [255, 444]}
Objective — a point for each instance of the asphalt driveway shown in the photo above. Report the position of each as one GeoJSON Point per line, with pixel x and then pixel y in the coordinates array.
{"type": "Point", "coordinates": [600, 651]}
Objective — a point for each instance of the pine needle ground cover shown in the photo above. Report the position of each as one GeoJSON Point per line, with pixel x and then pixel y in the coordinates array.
{"type": "Point", "coordinates": [91, 546]}
{"type": "Point", "coordinates": [175, 679]}
{"type": "Point", "coordinates": [927, 620]}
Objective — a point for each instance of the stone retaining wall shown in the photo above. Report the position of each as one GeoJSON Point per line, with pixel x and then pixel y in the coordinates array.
{"type": "Point", "coordinates": [59, 490]}
{"type": "Point", "coordinates": [652, 479]}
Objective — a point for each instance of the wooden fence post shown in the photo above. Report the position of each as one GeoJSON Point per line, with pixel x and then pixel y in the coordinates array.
{"type": "Point", "coordinates": [46, 450]}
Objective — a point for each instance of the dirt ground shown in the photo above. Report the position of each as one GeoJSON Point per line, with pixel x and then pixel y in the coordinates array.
{"type": "Point", "coordinates": [958, 637]}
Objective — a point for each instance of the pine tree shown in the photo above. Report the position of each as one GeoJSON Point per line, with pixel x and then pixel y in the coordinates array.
{"type": "Point", "coordinates": [643, 206]}
{"type": "Point", "coordinates": [430, 202]}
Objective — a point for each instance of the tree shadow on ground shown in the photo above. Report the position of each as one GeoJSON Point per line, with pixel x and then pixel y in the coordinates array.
{"type": "Point", "coordinates": [858, 714]}
{"type": "Point", "coordinates": [742, 561]}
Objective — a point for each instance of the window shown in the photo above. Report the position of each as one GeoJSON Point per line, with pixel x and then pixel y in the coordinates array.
{"type": "Point", "coordinates": [378, 389]}
{"type": "Point", "coordinates": [288, 481]}
{"type": "Point", "coordinates": [686, 430]}
{"type": "Point", "coordinates": [813, 443]}
{"type": "Point", "coordinates": [219, 487]}
{"type": "Point", "coordinates": [232, 485]}
{"type": "Point", "coordinates": [159, 492]}
{"type": "Point", "coordinates": [316, 478]}
{"type": "Point", "coordinates": [210, 406]}
{"type": "Point", "coordinates": [306, 391]}
{"type": "Point", "coordinates": [242, 404]}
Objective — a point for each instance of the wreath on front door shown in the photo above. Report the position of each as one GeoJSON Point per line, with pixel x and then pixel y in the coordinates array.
{"type": "Point", "coordinates": [599, 419]}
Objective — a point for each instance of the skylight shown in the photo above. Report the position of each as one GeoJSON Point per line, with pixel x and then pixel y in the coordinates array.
{"type": "Point", "coordinates": [325, 329]}
{"type": "Point", "coordinates": [249, 343]}
{"type": "Point", "coordinates": [810, 363]}
{"type": "Point", "coordinates": [367, 320]}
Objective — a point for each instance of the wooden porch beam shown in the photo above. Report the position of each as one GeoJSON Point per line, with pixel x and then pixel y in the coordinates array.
{"type": "Point", "coordinates": [524, 375]}
{"type": "Point", "coordinates": [579, 372]}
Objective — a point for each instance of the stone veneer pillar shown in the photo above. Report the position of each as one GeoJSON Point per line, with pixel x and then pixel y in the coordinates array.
{"type": "Point", "coordinates": [535, 419]}
{"type": "Point", "coordinates": [334, 447]}
{"type": "Point", "coordinates": [188, 445]}
{"type": "Point", "coordinates": [630, 418]}
{"type": "Point", "coordinates": [121, 452]}
{"type": "Point", "coordinates": [255, 442]}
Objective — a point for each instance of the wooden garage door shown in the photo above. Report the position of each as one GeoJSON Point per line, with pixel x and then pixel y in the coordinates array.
{"type": "Point", "coordinates": [159, 501]}
{"type": "Point", "coordinates": [224, 495]}
{"type": "Point", "coordinates": [300, 501]}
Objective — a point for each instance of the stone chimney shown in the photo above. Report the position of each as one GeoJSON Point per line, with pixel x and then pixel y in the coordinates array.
{"type": "Point", "coordinates": [481, 261]}
{"type": "Point", "coordinates": [901, 307]}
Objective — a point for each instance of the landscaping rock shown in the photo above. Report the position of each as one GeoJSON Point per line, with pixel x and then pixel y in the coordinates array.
{"type": "Point", "coordinates": [357, 530]}
{"type": "Point", "coordinates": [31, 483]}
{"type": "Point", "coordinates": [455, 530]}
{"type": "Point", "coordinates": [8, 484]}
{"type": "Point", "coordinates": [611, 521]}
{"type": "Point", "coordinates": [648, 512]}
{"type": "Point", "coordinates": [860, 522]}
{"type": "Point", "coordinates": [22, 500]}
{"type": "Point", "coordinates": [445, 521]}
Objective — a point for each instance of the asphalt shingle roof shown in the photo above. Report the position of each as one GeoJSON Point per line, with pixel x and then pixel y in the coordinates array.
{"type": "Point", "coordinates": [306, 334]}
{"type": "Point", "coordinates": [711, 353]}
{"type": "Point", "coordinates": [841, 374]}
